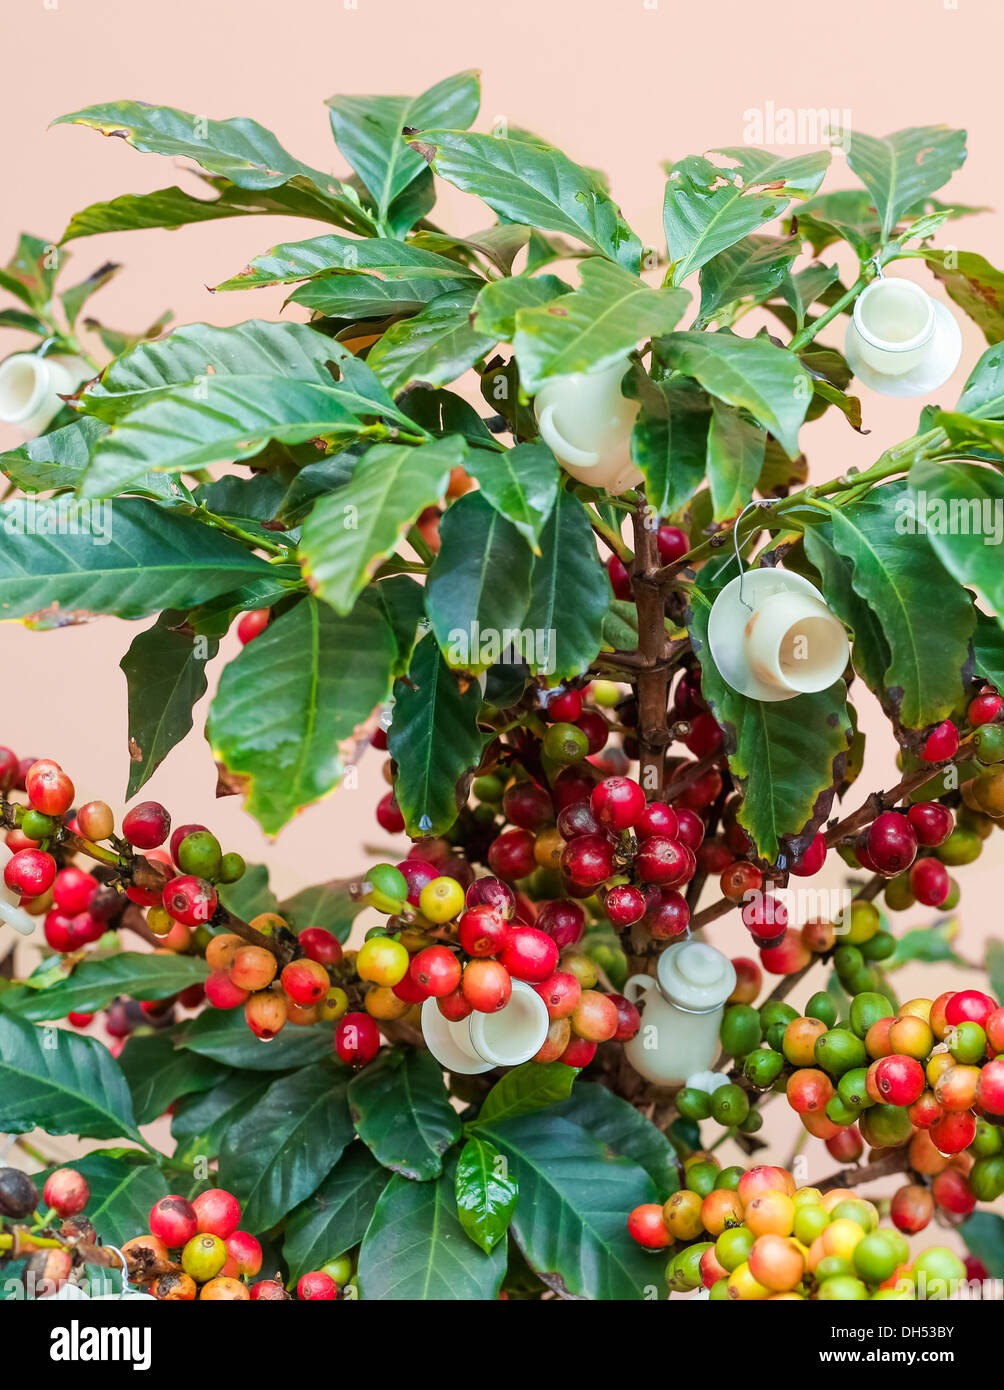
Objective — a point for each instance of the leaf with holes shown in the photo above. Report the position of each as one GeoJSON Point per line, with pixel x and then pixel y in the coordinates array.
{"type": "Point", "coordinates": [902, 169]}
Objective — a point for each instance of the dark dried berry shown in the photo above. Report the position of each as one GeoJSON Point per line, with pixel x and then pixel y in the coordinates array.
{"type": "Point", "coordinates": [18, 1194]}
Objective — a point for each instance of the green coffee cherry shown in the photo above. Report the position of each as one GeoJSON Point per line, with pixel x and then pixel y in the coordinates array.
{"type": "Point", "coordinates": [740, 1030]}
{"type": "Point", "coordinates": [961, 847]}
{"type": "Point", "coordinates": [881, 946]}
{"type": "Point", "coordinates": [752, 1122]}
{"type": "Point", "coordinates": [729, 1177]}
{"type": "Point", "coordinates": [762, 1067]}
{"type": "Point", "coordinates": [232, 867]}
{"type": "Point", "coordinates": [852, 1090]}
{"type": "Point", "coordinates": [839, 1112]}
{"type": "Point", "coordinates": [988, 741]}
{"type": "Point", "coordinates": [986, 1178]}
{"type": "Point", "coordinates": [388, 888]}
{"type": "Point", "coordinates": [700, 1177]}
{"type": "Point", "coordinates": [989, 1139]}
{"type": "Point", "coordinates": [200, 853]}
{"type": "Point", "coordinates": [730, 1105]}
{"type": "Point", "coordinates": [868, 1008]}
{"type": "Point", "coordinates": [846, 960]}
{"type": "Point", "coordinates": [693, 1104]}
{"type": "Point", "coordinates": [37, 826]}
{"type": "Point", "coordinates": [875, 1258]}
{"type": "Point", "coordinates": [488, 788]}
{"type": "Point", "coordinates": [839, 1050]}
{"type": "Point", "coordinates": [885, 1126]}
{"type": "Point", "coordinates": [565, 743]}
{"type": "Point", "coordinates": [898, 894]}
{"type": "Point", "coordinates": [821, 1006]}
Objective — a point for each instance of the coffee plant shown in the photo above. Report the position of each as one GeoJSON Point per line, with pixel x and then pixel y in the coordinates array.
{"type": "Point", "coordinates": [527, 510]}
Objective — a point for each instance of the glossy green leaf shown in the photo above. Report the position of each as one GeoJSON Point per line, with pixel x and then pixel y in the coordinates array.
{"type": "Point", "coordinates": [366, 297]}
{"type": "Point", "coordinates": [31, 272]}
{"type": "Point", "coordinates": [988, 647]}
{"type": "Point", "coordinates": [402, 1113]}
{"type": "Point", "coordinates": [959, 507]}
{"type": "Point", "coordinates": [201, 1122]}
{"type": "Point", "coordinates": [331, 255]}
{"type": "Point", "coordinates": [250, 895]}
{"type": "Point", "coordinates": [901, 169]}
{"type": "Point", "coordinates": [435, 741]}
{"type": "Point", "coordinates": [520, 483]}
{"type": "Point", "coordinates": [478, 587]}
{"type": "Point", "coordinates": [165, 671]}
{"type": "Point", "coordinates": [158, 1073]}
{"type": "Point", "coordinates": [95, 983]}
{"type": "Point", "coordinates": [522, 1090]}
{"type": "Point", "coordinates": [751, 373]}
{"type": "Point", "coordinates": [569, 594]}
{"type": "Point", "coordinates": [486, 1194]}
{"type": "Point", "coordinates": [415, 1248]}
{"type": "Point", "coordinates": [669, 442]}
{"type": "Point", "coordinates": [495, 309]}
{"type": "Point", "coordinates": [983, 394]}
{"type": "Point", "coordinates": [983, 1234]}
{"type": "Point", "coordinates": [349, 532]}
{"type": "Point", "coordinates": [594, 326]}
{"type": "Point", "coordinates": [533, 184]}
{"type": "Point", "coordinates": [436, 346]}
{"type": "Point", "coordinates": [60, 1082]}
{"type": "Point", "coordinates": [402, 601]}
{"type": "Point", "coordinates": [224, 1036]}
{"type": "Point", "coordinates": [624, 1130]}
{"type": "Point", "coordinates": [173, 207]}
{"type": "Point", "coordinates": [280, 1152]}
{"type": "Point", "coordinates": [74, 299]}
{"type": "Point", "coordinates": [327, 905]}
{"type": "Point", "coordinates": [754, 269]}
{"type": "Point", "coordinates": [52, 461]}
{"type": "Point", "coordinates": [283, 705]}
{"type": "Point", "coordinates": [928, 944]}
{"type": "Point", "coordinates": [335, 1217]}
{"type": "Point", "coordinates": [735, 459]}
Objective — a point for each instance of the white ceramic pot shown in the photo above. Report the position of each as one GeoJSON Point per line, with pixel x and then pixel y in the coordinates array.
{"type": "Point", "coordinates": [31, 387]}
{"type": "Point", "coordinates": [587, 422]}
{"type": "Point", "coordinates": [681, 1012]}
{"type": "Point", "coordinates": [10, 911]}
{"type": "Point", "coordinates": [900, 341]}
{"type": "Point", "coordinates": [482, 1041]}
{"type": "Point", "coordinates": [789, 644]}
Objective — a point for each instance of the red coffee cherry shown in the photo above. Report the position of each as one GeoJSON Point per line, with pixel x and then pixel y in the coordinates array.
{"type": "Point", "coordinates": [617, 802]}
{"type": "Point", "coordinates": [620, 580]}
{"type": "Point", "coordinates": [662, 860]}
{"type": "Point", "coordinates": [436, 970]}
{"type": "Point", "coordinates": [527, 805]}
{"type": "Point", "coordinates": [388, 815]}
{"type": "Point", "coordinates": [587, 861]}
{"type": "Point", "coordinates": [563, 920]}
{"type": "Point", "coordinates": [486, 985]}
{"type": "Point", "coordinates": [49, 789]}
{"type": "Point", "coordinates": [899, 1080]}
{"type": "Point", "coordinates": [173, 1221]}
{"type": "Point", "coordinates": [561, 993]}
{"type": "Point", "coordinates": [811, 860]}
{"type": "Point", "coordinates": [305, 981]}
{"type": "Point", "coordinates": [147, 825]}
{"type": "Point", "coordinates": [529, 954]}
{"type": "Point", "coordinates": [251, 624]}
{"type": "Point", "coordinates": [969, 1005]}
{"type": "Point", "coordinates": [321, 945]}
{"type": "Point", "coordinates": [932, 823]}
{"type": "Point", "coordinates": [929, 882]}
{"type": "Point", "coordinates": [740, 878]}
{"type": "Point", "coordinates": [73, 889]}
{"type": "Point", "coordinates": [483, 931]}
{"type": "Point", "coordinates": [647, 1226]}
{"type": "Point", "coordinates": [357, 1039]}
{"type": "Point", "coordinates": [624, 905]}
{"type": "Point", "coordinates": [892, 843]}
{"type": "Point", "coordinates": [941, 744]}
{"type": "Point", "coordinates": [317, 1287]}
{"type": "Point", "coordinates": [511, 856]}
{"type": "Point", "coordinates": [218, 1212]}
{"type": "Point", "coordinates": [66, 1192]}
{"type": "Point", "coordinates": [985, 708]}
{"type": "Point", "coordinates": [690, 831]}
{"type": "Point", "coordinates": [30, 872]}
{"type": "Point", "coordinates": [672, 543]}
{"type": "Point", "coordinates": [669, 916]}
{"type": "Point", "coordinates": [190, 900]}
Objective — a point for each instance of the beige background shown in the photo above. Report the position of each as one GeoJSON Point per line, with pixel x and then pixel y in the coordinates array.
{"type": "Point", "coordinates": [619, 86]}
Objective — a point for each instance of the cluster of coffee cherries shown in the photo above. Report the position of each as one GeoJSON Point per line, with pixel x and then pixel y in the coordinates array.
{"type": "Point", "coordinates": [48, 1229]}
{"type": "Point", "coordinates": [929, 1075]}
{"type": "Point", "coordinates": [483, 942]}
{"type": "Point", "coordinates": [753, 1234]}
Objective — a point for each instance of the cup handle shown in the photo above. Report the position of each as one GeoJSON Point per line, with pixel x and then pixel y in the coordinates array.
{"type": "Point", "coordinates": [559, 446]}
{"type": "Point", "coordinates": [639, 983]}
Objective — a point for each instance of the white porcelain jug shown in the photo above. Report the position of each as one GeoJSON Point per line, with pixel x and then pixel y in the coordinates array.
{"type": "Point", "coordinates": [31, 387]}
{"type": "Point", "coordinates": [681, 1012]}
{"type": "Point", "coordinates": [586, 422]}
{"type": "Point", "coordinates": [482, 1041]}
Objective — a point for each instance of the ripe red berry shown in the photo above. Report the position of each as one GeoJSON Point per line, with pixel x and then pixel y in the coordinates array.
{"type": "Point", "coordinates": [899, 1079]}
{"type": "Point", "coordinates": [658, 818]}
{"type": "Point", "coordinates": [985, 708]}
{"type": "Point", "coordinates": [388, 815]}
{"type": "Point", "coordinates": [66, 1192]}
{"type": "Point", "coordinates": [740, 878]}
{"type": "Point", "coordinates": [483, 931]}
{"type": "Point", "coordinates": [320, 945]}
{"type": "Point", "coordinates": [628, 1018]}
{"type": "Point", "coordinates": [173, 1221]}
{"type": "Point", "coordinates": [669, 916]}
{"type": "Point", "coordinates": [647, 1226]}
{"type": "Point", "coordinates": [765, 917]}
{"type": "Point", "coordinates": [73, 889]}
{"type": "Point", "coordinates": [527, 805]}
{"type": "Point", "coordinates": [587, 861]}
{"type": "Point", "coordinates": [955, 1132]}
{"type": "Point", "coordinates": [561, 993]}
{"type": "Point", "coordinates": [218, 1212]}
{"type": "Point", "coordinates": [579, 1052]}
{"type": "Point", "coordinates": [49, 789]}
{"type": "Point", "coordinates": [929, 882]}
{"type": "Point", "coordinates": [941, 744]}
{"type": "Point", "coordinates": [30, 872]}
{"type": "Point", "coordinates": [190, 900]}
{"type": "Point", "coordinates": [244, 1255]}
{"type": "Point", "coordinates": [563, 706]}
{"type": "Point", "coordinates": [892, 843]}
{"type": "Point", "coordinates": [911, 1208]}
{"type": "Point", "coordinates": [222, 993]}
{"type": "Point", "coordinates": [147, 825]}
{"type": "Point", "coordinates": [563, 920]}
{"type": "Point", "coordinates": [787, 955]}
{"type": "Point", "coordinates": [994, 1027]}
{"type": "Point", "coordinates": [705, 736]}
{"type": "Point", "coordinates": [932, 823]}
{"type": "Point", "coordinates": [690, 830]}
{"type": "Point", "coordinates": [673, 544]}
{"type": "Point", "coordinates": [253, 622]}
{"type": "Point", "coordinates": [269, 1291]}
{"type": "Point", "coordinates": [491, 892]}
{"type": "Point", "coordinates": [625, 905]}
{"type": "Point", "coordinates": [455, 1006]}
{"type": "Point", "coordinates": [596, 730]}
{"type": "Point", "coordinates": [357, 1039]}
{"type": "Point", "coordinates": [847, 1146]}
{"type": "Point", "coordinates": [990, 1087]}
{"type": "Point", "coordinates": [617, 802]}
{"type": "Point", "coordinates": [620, 580]}
{"type": "Point", "coordinates": [662, 860]}
{"type": "Point", "coordinates": [577, 820]}
{"type": "Point", "coordinates": [511, 856]}
{"type": "Point", "coordinates": [952, 1192]}
{"type": "Point", "coordinates": [436, 970]}
{"type": "Point", "coordinates": [969, 1005]}
{"type": "Point", "coordinates": [305, 981]}
{"type": "Point", "coordinates": [810, 861]}
{"type": "Point", "coordinates": [317, 1286]}
{"type": "Point", "coordinates": [77, 1020]}
{"type": "Point", "coordinates": [486, 985]}
{"type": "Point", "coordinates": [529, 954]}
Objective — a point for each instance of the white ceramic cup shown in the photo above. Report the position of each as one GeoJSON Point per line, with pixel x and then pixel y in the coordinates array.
{"type": "Point", "coordinates": [681, 1013]}
{"type": "Point", "coordinates": [586, 422]}
{"type": "Point", "coordinates": [895, 323]}
{"type": "Point", "coordinates": [482, 1041]}
{"type": "Point", "coordinates": [31, 387]}
{"type": "Point", "coordinates": [794, 643]}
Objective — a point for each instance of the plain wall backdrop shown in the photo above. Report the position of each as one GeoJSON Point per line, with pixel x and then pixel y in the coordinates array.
{"type": "Point", "coordinates": [619, 86]}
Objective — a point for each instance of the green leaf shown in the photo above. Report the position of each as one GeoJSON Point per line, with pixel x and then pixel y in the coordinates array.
{"type": "Point", "coordinates": [500, 244]}
{"type": "Point", "coordinates": [436, 346]}
{"type": "Point", "coordinates": [976, 286]}
{"type": "Point", "coordinates": [958, 508]}
{"type": "Point", "coordinates": [349, 532]}
{"type": "Point", "coordinates": [803, 741]}
{"type": "Point", "coordinates": [74, 299]}
{"type": "Point", "coordinates": [708, 208]}
{"type": "Point", "coordinates": [735, 459]}
{"type": "Point", "coordinates": [478, 587]}
{"type": "Point", "coordinates": [988, 646]}
{"type": "Point", "coordinates": [225, 1037]}
{"type": "Point", "coordinates": [281, 1152]}
{"type": "Point", "coordinates": [870, 652]}
{"type": "Point", "coordinates": [330, 255]}
{"type": "Point", "coordinates": [594, 326]}
{"type": "Point", "coordinates": [158, 1073]}
{"type": "Point", "coordinates": [250, 895]}
{"type": "Point", "coordinates": [31, 272]}
{"type": "Point", "coordinates": [486, 1194]}
{"type": "Point", "coordinates": [624, 1130]}
{"type": "Point", "coordinates": [402, 601]}
{"type": "Point", "coordinates": [369, 131]}
{"type": "Point", "coordinates": [569, 1221]}
{"type": "Point", "coordinates": [496, 306]}
{"type": "Point", "coordinates": [927, 944]}
{"type": "Point", "coordinates": [95, 983]}
{"type": "Point", "coordinates": [753, 269]}
{"type": "Point", "coordinates": [569, 594]}
{"type": "Point", "coordinates": [983, 395]}
{"type": "Point", "coordinates": [903, 168]}
{"type": "Point", "coordinates": [402, 1113]}
{"type": "Point", "coordinates": [131, 564]}
{"type": "Point", "coordinates": [926, 617]}
{"type": "Point", "coordinates": [301, 687]}
{"type": "Point", "coordinates": [415, 1247]}
{"type": "Point", "coordinates": [520, 483]}
{"type": "Point", "coordinates": [240, 150]}
{"type": "Point", "coordinates": [522, 1090]}
{"type": "Point", "coordinates": [533, 184]}
{"type": "Point", "coordinates": [335, 1218]}
{"type": "Point", "coordinates": [768, 381]}
{"type": "Point", "coordinates": [165, 671]}
{"type": "Point", "coordinates": [435, 741]}
{"type": "Point", "coordinates": [124, 1185]}
{"type": "Point", "coordinates": [52, 461]}
{"type": "Point", "coordinates": [984, 1237]}
{"type": "Point", "coordinates": [60, 1082]}
{"type": "Point", "coordinates": [23, 321]}
{"type": "Point", "coordinates": [201, 1122]}
{"type": "Point", "coordinates": [173, 207]}
{"type": "Point", "coordinates": [327, 905]}
{"type": "Point", "coordinates": [802, 289]}
{"type": "Point", "coordinates": [366, 297]}
{"type": "Point", "coordinates": [669, 442]}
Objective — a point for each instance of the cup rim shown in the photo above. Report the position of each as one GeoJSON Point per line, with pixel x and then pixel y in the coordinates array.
{"type": "Point", "coordinates": [883, 344]}
{"type": "Point", "coordinates": [40, 371]}
{"type": "Point", "coordinates": [478, 1022]}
